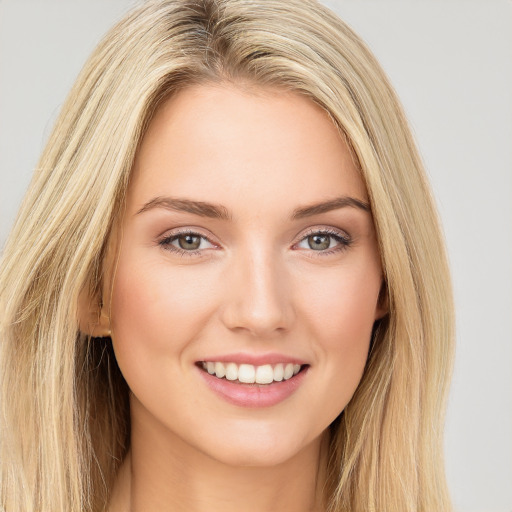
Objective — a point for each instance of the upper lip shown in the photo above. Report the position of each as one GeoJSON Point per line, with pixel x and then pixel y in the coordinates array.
{"type": "Point", "coordinates": [254, 359]}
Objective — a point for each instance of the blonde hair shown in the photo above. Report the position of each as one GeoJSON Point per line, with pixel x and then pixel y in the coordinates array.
{"type": "Point", "coordinates": [64, 404]}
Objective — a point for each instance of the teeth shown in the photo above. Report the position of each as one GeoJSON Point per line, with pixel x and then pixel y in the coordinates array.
{"type": "Point", "coordinates": [231, 371]}
{"type": "Point", "coordinates": [220, 370]}
{"type": "Point", "coordinates": [250, 374]}
{"type": "Point", "coordinates": [279, 372]}
{"type": "Point", "coordinates": [288, 371]}
{"type": "Point", "coordinates": [246, 373]}
{"type": "Point", "coordinates": [264, 374]}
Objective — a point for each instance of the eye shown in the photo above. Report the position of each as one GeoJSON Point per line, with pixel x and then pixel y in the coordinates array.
{"type": "Point", "coordinates": [325, 241]}
{"type": "Point", "coordinates": [186, 242]}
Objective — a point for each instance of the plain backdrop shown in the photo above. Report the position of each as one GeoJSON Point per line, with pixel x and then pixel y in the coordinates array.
{"type": "Point", "coordinates": [451, 63]}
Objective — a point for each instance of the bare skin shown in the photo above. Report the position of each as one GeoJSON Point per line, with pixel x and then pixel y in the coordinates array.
{"type": "Point", "coordinates": [282, 263]}
{"type": "Point", "coordinates": [204, 486]}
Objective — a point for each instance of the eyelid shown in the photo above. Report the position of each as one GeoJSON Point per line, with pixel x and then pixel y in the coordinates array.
{"type": "Point", "coordinates": [327, 230]}
{"type": "Point", "coordinates": [165, 241]}
{"type": "Point", "coordinates": [186, 229]}
{"type": "Point", "coordinates": [344, 239]}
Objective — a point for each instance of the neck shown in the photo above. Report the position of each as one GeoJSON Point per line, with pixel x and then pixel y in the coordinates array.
{"type": "Point", "coordinates": [164, 474]}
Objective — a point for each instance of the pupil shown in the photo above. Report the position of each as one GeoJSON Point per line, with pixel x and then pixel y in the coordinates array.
{"type": "Point", "coordinates": [189, 242]}
{"type": "Point", "coordinates": [319, 242]}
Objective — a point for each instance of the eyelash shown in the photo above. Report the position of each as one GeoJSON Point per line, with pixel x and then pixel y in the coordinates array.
{"type": "Point", "coordinates": [166, 243]}
{"type": "Point", "coordinates": [343, 242]}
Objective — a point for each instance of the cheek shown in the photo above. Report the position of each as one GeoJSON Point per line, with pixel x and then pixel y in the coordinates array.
{"type": "Point", "coordinates": [341, 312]}
{"type": "Point", "coordinates": [155, 295]}
{"type": "Point", "coordinates": [343, 306]}
{"type": "Point", "coordinates": [157, 310]}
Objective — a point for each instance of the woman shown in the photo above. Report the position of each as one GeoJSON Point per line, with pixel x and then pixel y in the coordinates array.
{"type": "Point", "coordinates": [234, 287]}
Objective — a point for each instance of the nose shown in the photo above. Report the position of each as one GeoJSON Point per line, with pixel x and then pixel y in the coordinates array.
{"type": "Point", "coordinates": [258, 298]}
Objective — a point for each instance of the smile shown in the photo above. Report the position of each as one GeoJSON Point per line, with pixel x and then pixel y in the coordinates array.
{"type": "Point", "coordinates": [251, 374]}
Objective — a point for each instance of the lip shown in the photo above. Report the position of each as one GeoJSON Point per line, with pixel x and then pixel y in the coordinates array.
{"type": "Point", "coordinates": [254, 359]}
{"type": "Point", "coordinates": [254, 395]}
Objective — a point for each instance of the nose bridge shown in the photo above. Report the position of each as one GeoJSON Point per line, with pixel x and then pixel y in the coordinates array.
{"type": "Point", "coordinates": [258, 300]}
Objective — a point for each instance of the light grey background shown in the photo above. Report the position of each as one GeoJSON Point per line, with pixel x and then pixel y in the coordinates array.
{"type": "Point", "coordinates": [451, 62]}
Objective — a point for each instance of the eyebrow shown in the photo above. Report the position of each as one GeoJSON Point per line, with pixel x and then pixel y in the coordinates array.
{"type": "Point", "coordinates": [216, 211]}
{"type": "Point", "coordinates": [327, 206]}
{"type": "Point", "coordinates": [201, 208]}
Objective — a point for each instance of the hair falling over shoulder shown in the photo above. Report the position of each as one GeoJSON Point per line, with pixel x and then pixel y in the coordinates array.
{"type": "Point", "coordinates": [64, 403]}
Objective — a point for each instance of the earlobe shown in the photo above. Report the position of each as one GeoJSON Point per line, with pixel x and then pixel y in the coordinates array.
{"type": "Point", "coordinates": [93, 308]}
{"type": "Point", "coordinates": [102, 328]}
{"type": "Point", "coordinates": [93, 319]}
{"type": "Point", "coordinates": [382, 308]}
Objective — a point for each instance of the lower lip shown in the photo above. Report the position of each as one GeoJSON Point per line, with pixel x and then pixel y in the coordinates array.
{"type": "Point", "coordinates": [253, 395]}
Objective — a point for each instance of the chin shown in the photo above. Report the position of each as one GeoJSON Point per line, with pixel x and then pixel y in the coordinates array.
{"type": "Point", "coordinates": [254, 458]}
{"type": "Point", "coordinates": [260, 449]}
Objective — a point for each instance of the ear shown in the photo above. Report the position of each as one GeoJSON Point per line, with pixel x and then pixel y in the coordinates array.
{"type": "Point", "coordinates": [93, 308]}
{"type": "Point", "coordinates": [382, 302]}
{"type": "Point", "coordinates": [93, 319]}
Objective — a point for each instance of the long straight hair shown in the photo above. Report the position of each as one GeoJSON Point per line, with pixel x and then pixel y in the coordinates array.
{"type": "Point", "coordinates": [64, 403]}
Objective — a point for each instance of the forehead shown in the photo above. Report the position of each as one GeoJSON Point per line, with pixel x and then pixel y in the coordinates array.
{"type": "Point", "coordinates": [220, 142]}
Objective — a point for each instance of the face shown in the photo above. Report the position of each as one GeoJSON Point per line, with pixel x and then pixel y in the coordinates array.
{"type": "Point", "coordinates": [248, 275]}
